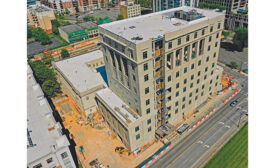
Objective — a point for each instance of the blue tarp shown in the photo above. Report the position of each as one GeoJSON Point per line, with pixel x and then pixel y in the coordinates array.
{"type": "Point", "coordinates": [102, 72]}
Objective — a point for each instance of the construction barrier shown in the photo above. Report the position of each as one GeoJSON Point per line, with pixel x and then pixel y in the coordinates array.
{"type": "Point", "coordinates": [202, 119]}
{"type": "Point", "coordinates": [150, 160]}
{"type": "Point", "coordinates": [230, 97]}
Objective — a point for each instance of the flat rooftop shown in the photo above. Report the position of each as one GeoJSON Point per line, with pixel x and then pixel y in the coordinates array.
{"type": "Point", "coordinates": [43, 132]}
{"type": "Point", "coordinates": [77, 72]}
{"type": "Point", "coordinates": [157, 24]}
{"type": "Point", "coordinates": [78, 27]}
{"type": "Point", "coordinates": [120, 108]}
{"type": "Point", "coordinates": [40, 8]}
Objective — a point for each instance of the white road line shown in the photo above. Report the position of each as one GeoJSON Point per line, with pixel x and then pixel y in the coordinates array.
{"type": "Point", "coordinates": [221, 123]}
{"type": "Point", "coordinates": [200, 142]}
{"type": "Point", "coordinates": [227, 126]}
{"type": "Point", "coordinates": [207, 146]}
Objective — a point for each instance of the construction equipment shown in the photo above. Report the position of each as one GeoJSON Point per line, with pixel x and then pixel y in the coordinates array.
{"type": "Point", "coordinates": [122, 150]}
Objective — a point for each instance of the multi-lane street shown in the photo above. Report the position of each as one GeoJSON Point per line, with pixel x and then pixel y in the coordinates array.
{"type": "Point", "coordinates": [196, 148]}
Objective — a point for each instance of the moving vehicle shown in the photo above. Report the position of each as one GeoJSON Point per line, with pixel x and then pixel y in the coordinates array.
{"type": "Point", "coordinates": [234, 103]}
{"type": "Point", "coordinates": [183, 128]}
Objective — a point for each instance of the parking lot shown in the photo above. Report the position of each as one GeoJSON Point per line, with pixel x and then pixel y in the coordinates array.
{"type": "Point", "coordinates": [34, 47]}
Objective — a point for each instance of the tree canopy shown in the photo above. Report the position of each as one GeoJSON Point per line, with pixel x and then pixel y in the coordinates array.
{"type": "Point", "coordinates": [29, 31]}
{"type": "Point", "coordinates": [119, 17]}
{"type": "Point", "coordinates": [234, 64]}
{"type": "Point", "coordinates": [212, 6]}
{"type": "Point", "coordinates": [89, 18]}
{"type": "Point", "coordinates": [240, 39]}
{"type": "Point", "coordinates": [65, 53]}
{"type": "Point", "coordinates": [51, 88]}
{"type": "Point", "coordinates": [40, 35]}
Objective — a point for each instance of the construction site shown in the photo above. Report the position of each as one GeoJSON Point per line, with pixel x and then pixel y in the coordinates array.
{"type": "Point", "coordinates": [93, 138]}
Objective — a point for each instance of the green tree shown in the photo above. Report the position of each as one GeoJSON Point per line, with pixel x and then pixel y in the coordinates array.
{"type": "Point", "coordinates": [47, 58]}
{"type": "Point", "coordinates": [40, 35]}
{"type": "Point", "coordinates": [76, 9]}
{"type": "Point", "coordinates": [102, 3]}
{"type": "Point", "coordinates": [67, 11]}
{"type": "Point", "coordinates": [51, 88]}
{"type": "Point", "coordinates": [42, 72]}
{"type": "Point", "coordinates": [234, 64]}
{"type": "Point", "coordinates": [55, 23]}
{"type": "Point", "coordinates": [65, 53]}
{"type": "Point", "coordinates": [45, 39]}
{"type": "Point", "coordinates": [29, 31]}
{"type": "Point", "coordinates": [66, 23]}
{"type": "Point", "coordinates": [119, 17]}
{"type": "Point", "coordinates": [240, 39]}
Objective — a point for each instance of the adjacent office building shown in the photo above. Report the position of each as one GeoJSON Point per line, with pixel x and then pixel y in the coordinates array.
{"type": "Point", "coordinates": [78, 32]}
{"type": "Point", "coordinates": [40, 16]}
{"type": "Point", "coordinates": [160, 5]}
{"type": "Point", "coordinates": [158, 75]}
{"type": "Point", "coordinates": [46, 144]}
{"type": "Point", "coordinates": [234, 12]}
{"type": "Point", "coordinates": [80, 80]}
{"type": "Point", "coordinates": [191, 3]}
{"type": "Point", "coordinates": [129, 9]}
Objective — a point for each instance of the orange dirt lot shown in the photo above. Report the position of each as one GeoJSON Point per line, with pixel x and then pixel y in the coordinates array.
{"type": "Point", "coordinates": [99, 142]}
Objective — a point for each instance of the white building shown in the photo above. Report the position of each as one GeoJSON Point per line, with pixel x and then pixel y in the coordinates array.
{"type": "Point", "coordinates": [47, 146]}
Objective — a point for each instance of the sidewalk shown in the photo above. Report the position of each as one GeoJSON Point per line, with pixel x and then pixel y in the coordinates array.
{"type": "Point", "coordinates": [216, 102]}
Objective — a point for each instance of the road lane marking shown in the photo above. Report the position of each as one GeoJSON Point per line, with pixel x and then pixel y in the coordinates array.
{"type": "Point", "coordinates": [213, 126]}
{"type": "Point", "coordinates": [222, 123]}
{"type": "Point", "coordinates": [227, 126]}
{"type": "Point", "coordinates": [207, 146]}
{"type": "Point", "coordinates": [200, 142]}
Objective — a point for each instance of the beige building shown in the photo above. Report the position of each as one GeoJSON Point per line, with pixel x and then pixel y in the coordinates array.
{"type": "Point", "coordinates": [47, 146]}
{"type": "Point", "coordinates": [80, 80]}
{"type": "Point", "coordinates": [129, 9]}
{"type": "Point", "coordinates": [162, 65]}
{"type": "Point", "coordinates": [40, 16]}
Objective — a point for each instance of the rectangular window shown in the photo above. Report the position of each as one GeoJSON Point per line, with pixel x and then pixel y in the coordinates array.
{"type": "Point", "coordinates": [187, 38]}
{"type": "Point", "coordinates": [197, 90]}
{"type": "Point", "coordinates": [211, 81]}
{"type": "Point", "coordinates": [199, 63]}
{"type": "Point", "coordinates": [183, 106]}
{"type": "Point", "coordinates": [196, 35]}
{"type": "Point", "coordinates": [214, 56]}
{"type": "Point", "coordinates": [177, 74]}
{"type": "Point", "coordinates": [209, 48]}
{"type": "Point", "coordinates": [198, 81]}
{"type": "Point", "coordinates": [184, 89]}
{"type": "Point", "coordinates": [190, 94]}
{"type": "Point", "coordinates": [148, 111]}
{"type": "Point", "coordinates": [64, 155]}
{"type": "Point", "coordinates": [144, 54]}
{"type": "Point", "coordinates": [149, 129]}
{"type": "Point", "coordinates": [183, 99]}
{"type": "Point", "coordinates": [213, 64]}
{"type": "Point", "coordinates": [205, 76]}
{"type": "Point", "coordinates": [216, 84]}
{"type": "Point", "coordinates": [202, 32]}
{"type": "Point", "coordinates": [185, 69]}
{"type": "Point", "coordinates": [38, 166]}
{"type": "Point", "coordinates": [210, 38]}
{"type": "Point", "coordinates": [137, 137]}
{"type": "Point", "coordinates": [190, 101]}
{"type": "Point", "coordinates": [191, 85]}
{"type": "Point", "coordinates": [210, 88]}
{"type": "Point", "coordinates": [212, 72]}
{"type": "Point", "coordinates": [217, 36]}
{"type": "Point", "coordinates": [196, 97]}
{"type": "Point", "coordinates": [145, 66]}
{"type": "Point", "coordinates": [207, 59]}
{"type": "Point", "coordinates": [177, 94]}
{"type": "Point", "coordinates": [169, 78]}
{"type": "Point", "coordinates": [202, 87]}
{"type": "Point", "coordinates": [147, 102]}
{"type": "Point", "coordinates": [179, 41]}
{"type": "Point", "coordinates": [201, 93]}
{"type": "Point", "coordinates": [192, 66]}
{"type": "Point", "coordinates": [50, 160]}
{"type": "Point", "coordinates": [170, 44]}
{"type": "Point", "coordinates": [134, 78]}
{"type": "Point", "coordinates": [192, 77]}
{"type": "Point", "coordinates": [219, 25]}
{"type": "Point", "coordinates": [137, 129]}
{"type": "Point", "coordinates": [146, 77]}
{"type": "Point", "coordinates": [147, 90]}
{"type": "Point", "coordinates": [199, 73]}
{"type": "Point", "coordinates": [217, 77]}
{"type": "Point", "coordinates": [176, 111]}
{"type": "Point", "coordinates": [177, 103]}
{"type": "Point", "coordinates": [185, 81]}
{"type": "Point", "coordinates": [177, 85]}
{"type": "Point", "coordinates": [206, 69]}
{"type": "Point", "coordinates": [149, 121]}
{"type": "Point", "coordinates": [211, 28]}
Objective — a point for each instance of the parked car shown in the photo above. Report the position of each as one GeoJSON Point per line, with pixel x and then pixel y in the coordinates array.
{"type": "Point", "coordinates": [183, 128]}
{"type": "Point", "coordinates": [234, 103]}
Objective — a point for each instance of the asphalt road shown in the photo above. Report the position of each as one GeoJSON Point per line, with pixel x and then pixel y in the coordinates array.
{"type": "Point", "coordinates": [227, 57]}
{"type": "Point", "coordinates": [188, 152]}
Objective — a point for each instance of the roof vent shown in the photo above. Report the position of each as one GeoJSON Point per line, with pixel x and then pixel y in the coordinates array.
{"type": "Point", "coordinates": [132, 27]}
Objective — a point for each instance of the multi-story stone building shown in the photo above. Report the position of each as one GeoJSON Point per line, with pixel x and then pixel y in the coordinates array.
{"type": "Point", "coordinates": [47, 145]}
{"type": "Point", "coordinates": [80, 80]}
{"type": "Point", "coordinates": [159, 5]}
{"type": "Point", "coordinates": [233, 18]}
{"type": "Point", "coordinates": [129, 9]}
{"type": "Point", "coordinates": [40, 16]}
{"type": "Point", "coordinates": [161, 66]}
